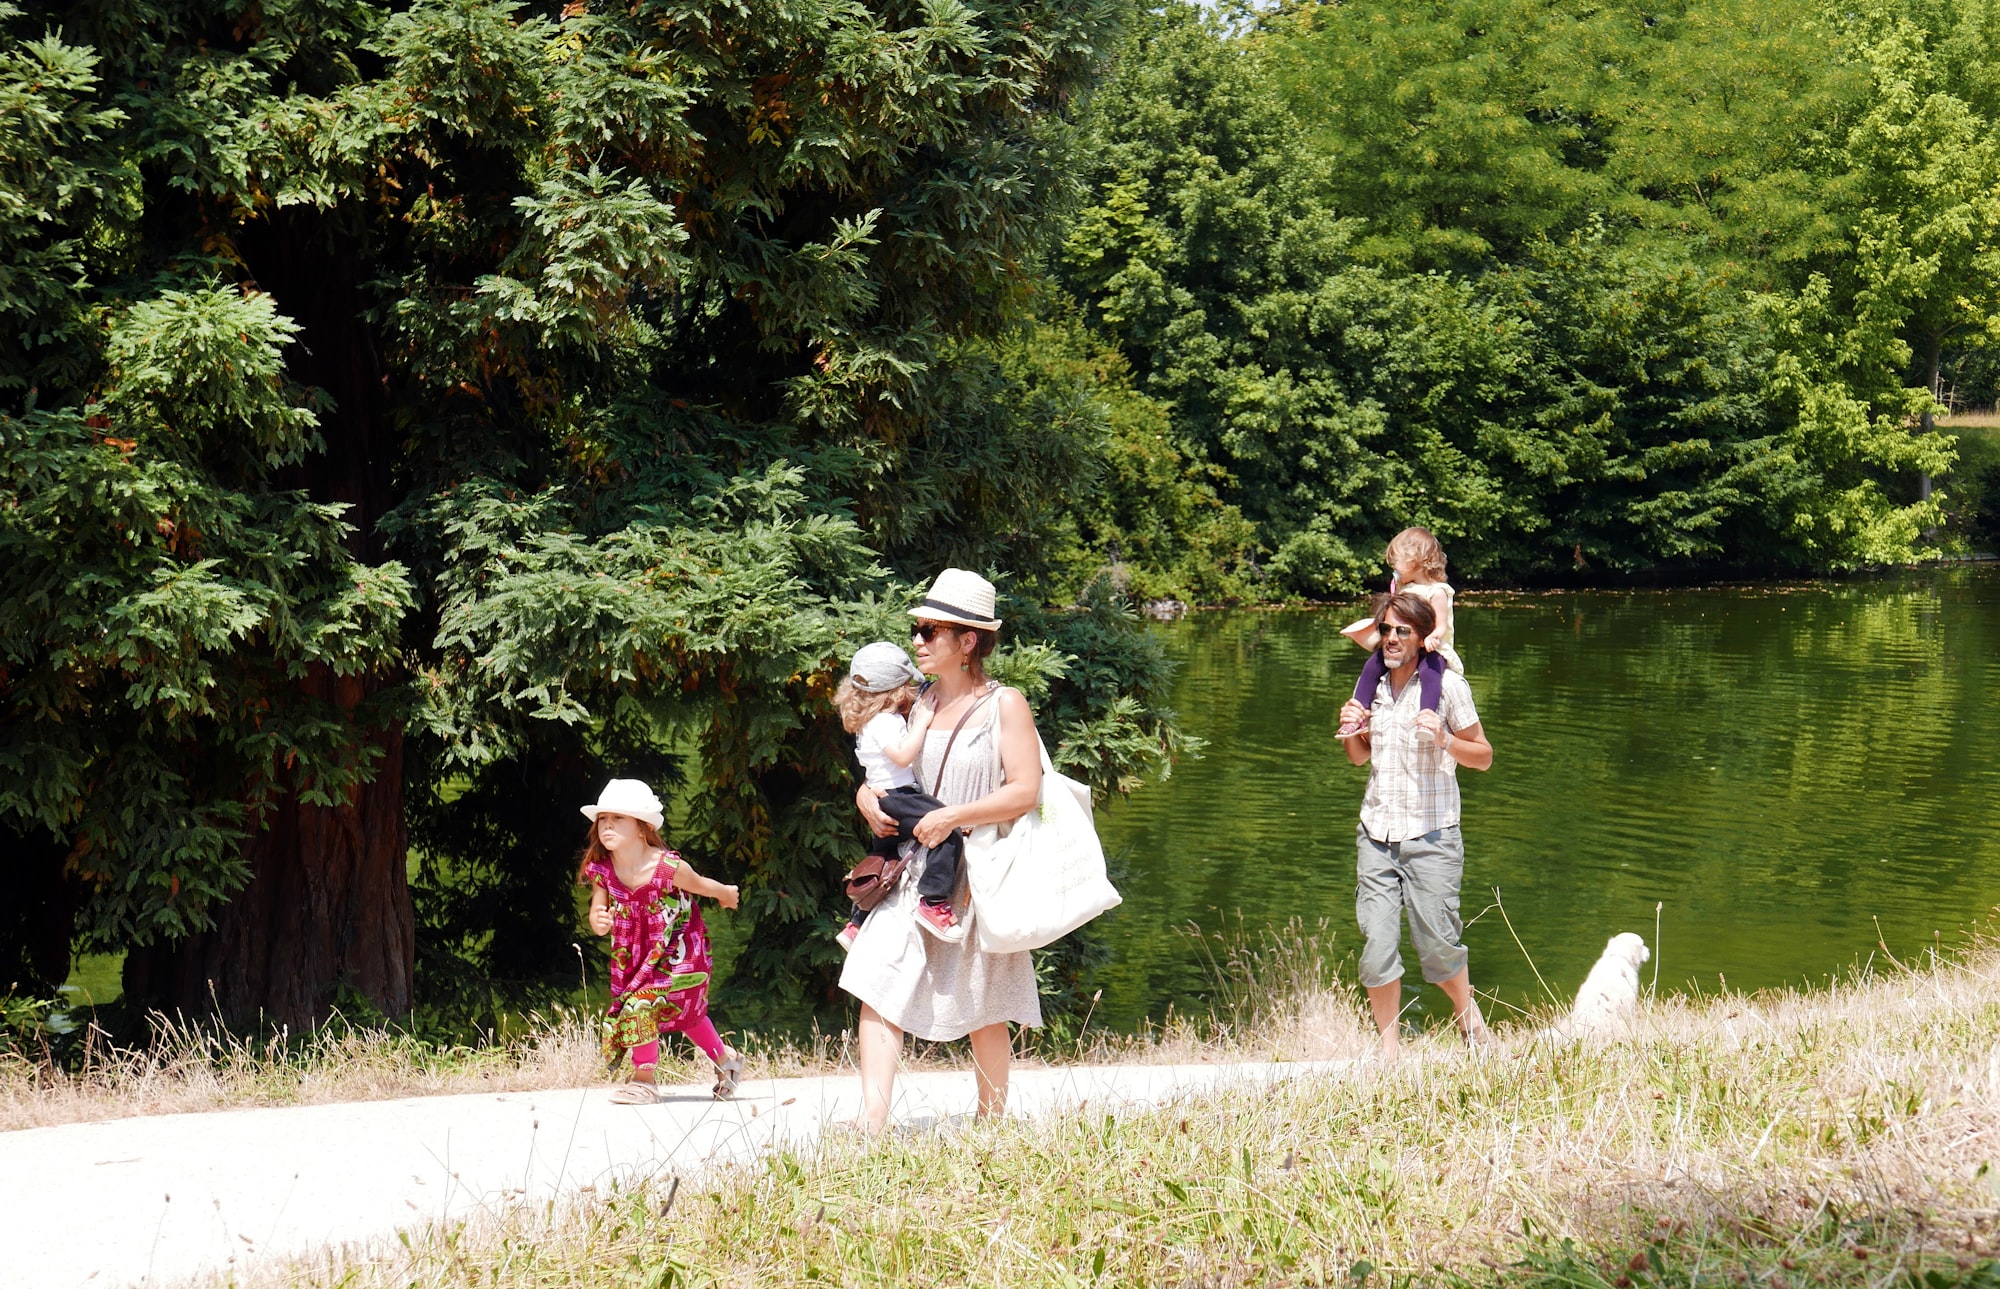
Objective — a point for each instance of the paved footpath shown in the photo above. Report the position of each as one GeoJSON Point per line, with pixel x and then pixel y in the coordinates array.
{"type": "Point", "coordinates": [170, 1199]}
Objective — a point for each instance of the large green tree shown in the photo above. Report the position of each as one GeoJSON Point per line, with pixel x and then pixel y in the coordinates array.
{"type": "Point", "coordinates": [506, 388]}
{"type": "Point", "coordinates": [1580, 286]}
{"type": "Point", "coordinates": [1926, 158]}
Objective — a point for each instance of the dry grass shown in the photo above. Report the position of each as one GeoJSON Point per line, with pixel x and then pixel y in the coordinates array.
{"type": "Point", "coordinates": [1986, 419]}
{"type": "Point", "coordinates": [190, 1068]}
{"type": "Point", "coordinates": [1847, 1136]}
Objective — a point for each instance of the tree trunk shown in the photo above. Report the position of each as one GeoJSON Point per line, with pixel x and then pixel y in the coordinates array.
{"type": "Point", "coordinates": [327, 909]}
{"type": "Point", "coordinates": [1928, 422]}
{"type": "Point", "coordinates": [326, 913]}
{"type": "Point", "coordinates": [38, 916]}
{"type": "Point", "coordinates": [314, 271]}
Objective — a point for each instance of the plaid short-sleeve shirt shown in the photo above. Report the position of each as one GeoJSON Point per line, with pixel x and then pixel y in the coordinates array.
{"type": "Point", "coordinates": [1412, 784]}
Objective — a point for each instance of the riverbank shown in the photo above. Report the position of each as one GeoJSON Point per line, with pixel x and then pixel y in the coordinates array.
{"type": "Point", "coordinates": [1843, 1136]}
{"type": "Point", "coordinates": [1589, 578]}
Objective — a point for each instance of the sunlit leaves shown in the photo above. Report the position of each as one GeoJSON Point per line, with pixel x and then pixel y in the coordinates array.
{"type": "Point", "coordinates": [200, 376]}
{"type": "Point", "coordinates": [54, 170]}
{"type": "Point", "coordinates": [546, 625]}
{"type": "Point", "coordinates": [592, 239]}
{"type": "Point", "coordinates": [154, 630]}
{"type": "Point", "coordinates": [657, 345]}
{"type": "Point", "coordinates": [1688, 271]}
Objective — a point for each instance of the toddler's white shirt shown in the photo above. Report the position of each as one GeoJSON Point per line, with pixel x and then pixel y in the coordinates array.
{"type": "Point", "coordinates": [871, 746]}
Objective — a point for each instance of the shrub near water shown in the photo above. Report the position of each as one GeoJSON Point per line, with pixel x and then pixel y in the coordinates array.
{"type": "Point", "coordinates": [1787, 1139]}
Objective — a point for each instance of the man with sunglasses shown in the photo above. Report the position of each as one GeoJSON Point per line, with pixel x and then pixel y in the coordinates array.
{"type": "Point", "coordinates": [1410, 857]}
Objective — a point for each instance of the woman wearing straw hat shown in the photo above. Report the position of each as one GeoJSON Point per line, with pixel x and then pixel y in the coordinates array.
{"type": "Point", "coordinates": [981, 758]}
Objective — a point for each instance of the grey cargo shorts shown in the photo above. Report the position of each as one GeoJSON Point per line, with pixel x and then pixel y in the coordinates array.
{"type": "Point", "coordinates": [1419, 876]}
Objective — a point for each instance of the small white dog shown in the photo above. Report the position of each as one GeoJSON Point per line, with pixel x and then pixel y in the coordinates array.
{"type": "Point", "coordinates": [1606, 1004]}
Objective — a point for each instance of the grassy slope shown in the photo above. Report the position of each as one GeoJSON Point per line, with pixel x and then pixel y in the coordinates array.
{"type": "Point", "coordinates": [1847, 1136]}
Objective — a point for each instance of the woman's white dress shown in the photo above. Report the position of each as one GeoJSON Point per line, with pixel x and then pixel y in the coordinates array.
{"type": "Point", "coordinates": [915, 981]}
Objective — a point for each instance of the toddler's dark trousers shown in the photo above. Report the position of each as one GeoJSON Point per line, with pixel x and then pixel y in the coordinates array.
{"type": "Point", "coordinates": [940, 877]}
{"type": "Point", "coordinates": [1430, 680]}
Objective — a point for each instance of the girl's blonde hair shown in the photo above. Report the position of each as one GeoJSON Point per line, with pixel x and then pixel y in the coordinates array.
{"type": "Point", "coordinates": [1416, 546]}
{"type": "Point", "coordinates": [594, 852]}
{"type": "Point", "coordinates": [858, 706]}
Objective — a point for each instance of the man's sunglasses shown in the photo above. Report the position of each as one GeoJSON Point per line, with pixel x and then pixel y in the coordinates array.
{"type": "Point", "coordinates": [1395, 630]}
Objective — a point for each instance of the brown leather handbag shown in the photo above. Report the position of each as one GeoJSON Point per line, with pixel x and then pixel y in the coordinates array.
{"type": "Point", "coordinates": [871, 880]}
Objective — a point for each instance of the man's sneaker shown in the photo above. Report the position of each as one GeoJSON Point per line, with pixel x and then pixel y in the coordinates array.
{"type": "Point", "coordinates": [847, 934]}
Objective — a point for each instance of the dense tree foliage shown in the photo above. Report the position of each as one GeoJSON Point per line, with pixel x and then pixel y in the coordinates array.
{"type": "Point", "coordinates": [1610, 287]}
{"type": "Point", "coordinates": [485, 399]}
{"type": "Point", "coordinates": [413, 413]}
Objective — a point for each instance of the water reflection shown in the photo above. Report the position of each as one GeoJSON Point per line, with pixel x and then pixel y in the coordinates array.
{"type": "Point", "coordinates": [1778, 766]}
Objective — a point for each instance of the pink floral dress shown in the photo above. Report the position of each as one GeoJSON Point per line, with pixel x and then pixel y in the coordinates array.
{"type": "Point", "coordinates": [659, 957]}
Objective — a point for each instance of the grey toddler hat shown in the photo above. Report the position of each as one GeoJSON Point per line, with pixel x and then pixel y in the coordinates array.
{"type": "Point", "coordinates": [882, 666]}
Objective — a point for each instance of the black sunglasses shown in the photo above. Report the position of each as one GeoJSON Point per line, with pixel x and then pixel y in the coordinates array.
{"type": "Point", "coordinates": [1396, 630]}
{"type": "Point", "coordinates": [927, 631]}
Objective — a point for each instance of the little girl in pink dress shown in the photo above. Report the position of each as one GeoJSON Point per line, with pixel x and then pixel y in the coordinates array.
{"type": "Point", "coordinates": [641, 896]}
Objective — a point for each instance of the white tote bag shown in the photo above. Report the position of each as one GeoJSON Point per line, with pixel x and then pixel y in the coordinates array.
{"type": "Point", "coordinates": [1043, 876]}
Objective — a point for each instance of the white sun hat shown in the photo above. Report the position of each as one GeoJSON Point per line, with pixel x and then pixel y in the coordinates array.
{"type": "Point", "coordinates": [628, 797]}
{"type": "Point", "coordinates": [959, 596]}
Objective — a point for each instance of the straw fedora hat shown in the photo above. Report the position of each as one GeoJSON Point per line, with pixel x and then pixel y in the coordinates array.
{"type": "Point", "coordinates": [628, 797]}
{"type": "Point", "coordinates": [959, 596]}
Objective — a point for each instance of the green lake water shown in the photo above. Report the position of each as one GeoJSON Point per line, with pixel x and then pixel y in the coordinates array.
{"type": "Point", "coordinates": [1779, 767]}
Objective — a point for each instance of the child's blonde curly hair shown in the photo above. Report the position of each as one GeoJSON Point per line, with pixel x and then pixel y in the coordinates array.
{"type": "Point", "coordinates": [858, 706]}
{"type": "Point", "coordinates": [1416, 546]}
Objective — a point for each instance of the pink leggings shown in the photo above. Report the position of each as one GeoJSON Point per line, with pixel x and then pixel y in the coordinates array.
{"type": "Point", "coordinates": [647, 1055]}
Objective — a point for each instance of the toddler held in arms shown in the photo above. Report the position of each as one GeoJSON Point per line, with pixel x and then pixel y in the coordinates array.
{"type": "Point", "coordinates": [641, 895]}
{"type": "Point", "coordinates": [878, 704]}
{"type": "Point", "coordinates": [1418, 563]}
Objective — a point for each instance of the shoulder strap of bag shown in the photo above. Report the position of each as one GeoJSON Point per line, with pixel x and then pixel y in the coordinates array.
{"type": "Point", "coordinates": [938, 782]}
